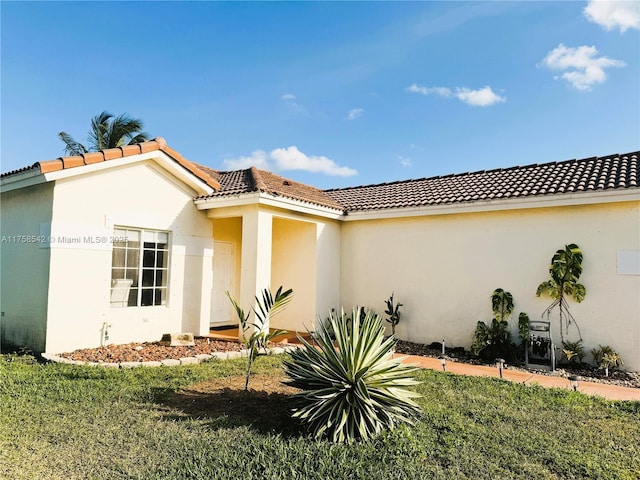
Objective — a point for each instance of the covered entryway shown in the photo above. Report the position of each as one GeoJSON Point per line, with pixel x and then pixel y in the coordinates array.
{"type": "Point", "coordinates": [259, 248]}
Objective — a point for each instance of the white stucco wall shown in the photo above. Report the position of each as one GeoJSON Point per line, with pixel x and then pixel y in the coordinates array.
{"type": "Point", "coordinates": [138, 196]}
{"type": "Point", "coordinates": [443, 268]}
{"type": "Point", "coordinates": [24, 266]}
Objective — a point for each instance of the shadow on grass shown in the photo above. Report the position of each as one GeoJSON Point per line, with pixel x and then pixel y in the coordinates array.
{"type": "Point", "coordinates": [264, 408]}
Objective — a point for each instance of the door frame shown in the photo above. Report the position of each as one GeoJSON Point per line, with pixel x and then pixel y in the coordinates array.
{"type": "Point", "coordinates": [217, 247]}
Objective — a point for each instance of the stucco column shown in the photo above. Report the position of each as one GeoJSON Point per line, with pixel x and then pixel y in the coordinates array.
{"type": "Point", "coordinates": [328, 264]}
{"type": "Point", "coordinates": [207, 281]}
{"type": "Point", "coordinates": [255, 275]}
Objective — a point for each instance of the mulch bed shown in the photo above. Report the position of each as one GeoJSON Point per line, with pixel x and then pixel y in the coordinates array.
{"type": "Point", "coordinates": [150, 351]}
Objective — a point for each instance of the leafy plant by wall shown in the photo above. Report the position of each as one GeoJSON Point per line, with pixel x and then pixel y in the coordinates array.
{"type": "Point", "coordinates": [494, 340]}
{"type": "Point", "coordinates": [564, 273]}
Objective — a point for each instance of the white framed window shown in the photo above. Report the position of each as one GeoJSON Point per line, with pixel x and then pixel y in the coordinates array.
{"type": "Point", "coordinates": [139, 267]}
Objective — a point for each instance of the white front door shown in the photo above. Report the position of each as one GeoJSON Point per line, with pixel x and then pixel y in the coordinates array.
{"type": "Point", "coordinates": [223, 268]}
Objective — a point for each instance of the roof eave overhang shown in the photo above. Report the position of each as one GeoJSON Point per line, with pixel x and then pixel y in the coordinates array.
{"type": "Point", "coordinates": [266, 199]}
{"type": "Point", "coordinates": [546, 201]}
{"type": "Point", "coordinates": [21, 180]}
{"type": "Point", "coordinates": [160, 158]}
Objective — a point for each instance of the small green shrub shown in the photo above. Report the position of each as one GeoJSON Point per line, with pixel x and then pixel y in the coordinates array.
{"type": "Point", "coordinates": [606, 358]}
{"type": "Point", "coordinates": [494, 340]}
{"type": "Point", "coordinates": [352, 390]}
{"type": "Point", "coordinates": [523, 327]}
{"type": "Point", "coordinates": [523, 334]}
{"type": "Point", "coordinates": [573, 352]}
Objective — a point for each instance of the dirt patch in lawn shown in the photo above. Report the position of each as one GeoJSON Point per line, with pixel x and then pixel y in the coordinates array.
{"type": "Point", "coordinates": [265, 406]}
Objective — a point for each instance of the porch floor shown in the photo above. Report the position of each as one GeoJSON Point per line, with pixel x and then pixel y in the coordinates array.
{"type": "Point", "coordinates": [233, 333]}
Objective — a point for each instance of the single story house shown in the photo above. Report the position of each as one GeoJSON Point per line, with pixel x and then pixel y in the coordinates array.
{"type": "Point", "coordinates": [129, 243]}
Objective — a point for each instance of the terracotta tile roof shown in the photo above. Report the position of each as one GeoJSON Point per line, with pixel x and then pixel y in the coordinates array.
{"type": "Point", "coordinates": [254, 180]}
{"type": "Point", "coordinates": [63, 163]}
{"type": "Point", "coordinates": [19, 170]}
{"type": "Point", "coordinates": [571, 176]}
{"type": "Point", "coordinates": [620, 171]}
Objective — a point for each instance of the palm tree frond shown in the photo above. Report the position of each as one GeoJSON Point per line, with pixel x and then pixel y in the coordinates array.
{"type": "Point", "coordinates": [139, 138]}
{"type": "Point", "coordinates": [71, 146]}
{"type": "Point", "coordinates": [108, 131]}
{"type": "Point", "coordinates": [123, 129]}
{"type": "Point", "coordinates": [98, 135]}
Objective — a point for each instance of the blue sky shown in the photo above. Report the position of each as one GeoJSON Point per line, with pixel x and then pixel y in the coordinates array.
{"type": "Point", "coordinates": [330, 94]}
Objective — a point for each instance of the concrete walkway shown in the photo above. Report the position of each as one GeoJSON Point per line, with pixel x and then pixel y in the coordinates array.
{"type": "Point", "coordinates": [611, 392]}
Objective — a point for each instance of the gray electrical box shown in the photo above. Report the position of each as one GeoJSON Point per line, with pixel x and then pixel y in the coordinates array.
{"type": "Point", "coordinates": [540, 352]}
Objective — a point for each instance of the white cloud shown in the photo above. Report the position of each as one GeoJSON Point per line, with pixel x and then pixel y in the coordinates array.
{"type": "Point", "coordinates": [293, 159]}
{"type": "Point", "coordinates": [612, 14]}
{"type": "Point", "coordinates": [442, 91]}
{"type": "Point", "coordinates": [289, 159]}
{"type": "Point", "coordinates": [355, 113]}
{"type": "Point", "coordinates": [483, 97]}
{"type": "Point", "coordinates": [290, 101]}
{"type": "Point", "coordinates": [405, 161]}
{"type": "Point", "coordinates": [257, 159]}
{"type": "Point", "coordinates": [583, 68]}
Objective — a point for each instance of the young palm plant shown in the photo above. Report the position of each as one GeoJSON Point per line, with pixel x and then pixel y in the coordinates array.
{"type": "Point", "coordinates": [393, 313]}
{"type": "Point", "coordinates": [267, 308]}
{"type": "Point", "coordinates": [565, 270]}
{"type": "Point", "coordinates": [352, 390]}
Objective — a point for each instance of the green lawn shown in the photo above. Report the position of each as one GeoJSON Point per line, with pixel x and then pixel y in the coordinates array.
{"type": "Point", "coordinates": [69, 422]}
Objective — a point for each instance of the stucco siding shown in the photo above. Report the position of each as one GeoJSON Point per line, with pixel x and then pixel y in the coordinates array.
{"type": "Point", "coordinates": [24, 266]}
{"type": "Point", "coordinates": [230, 230]}
{"type": "Point", "coordinates": [294, 266]}
{"type": "Point", "coordinates": [328, 268]}
{"type": "Point", "coordinates": [90, 206]}
{"type": "Point", "coordinates": [443, 268]}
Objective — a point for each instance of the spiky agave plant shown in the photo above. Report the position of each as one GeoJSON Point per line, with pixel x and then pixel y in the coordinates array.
{"type": "Point", "coordinates": [353, 389]}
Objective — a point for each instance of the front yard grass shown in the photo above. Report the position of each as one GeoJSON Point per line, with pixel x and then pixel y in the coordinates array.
{"type": "Point", "coordinates": [69, 422]}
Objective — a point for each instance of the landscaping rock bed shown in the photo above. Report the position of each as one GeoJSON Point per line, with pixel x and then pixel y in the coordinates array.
{"type": "Point", "coordinates": [150, 352]}
{"type": "Point", "coordinates": [590, 374]}
{"type": "Point", "coordinates": [153, 353]}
